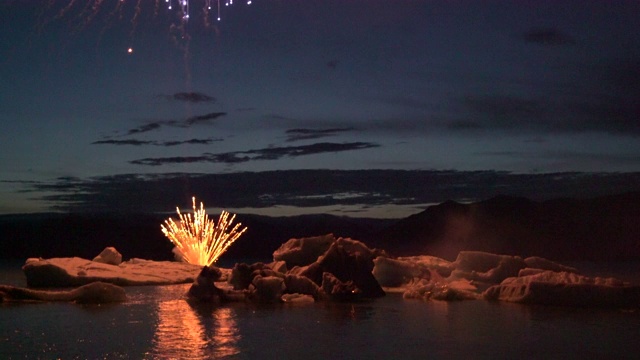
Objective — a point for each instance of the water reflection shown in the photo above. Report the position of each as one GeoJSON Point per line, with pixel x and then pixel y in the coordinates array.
{"type": "Point", "coordinates": [344, 312]}
{"type": "Point", "coordinates": [195, 331]}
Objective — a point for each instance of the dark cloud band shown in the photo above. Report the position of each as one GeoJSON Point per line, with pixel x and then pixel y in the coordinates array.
{"type": "Point", "coordinates": [270, 153]}
{"type": "Point", "coordinates": [161, 192]}
{"type": "Point", "coordinates": [192, 97]}
{"type": "Point", "coordinates": [136, 142]}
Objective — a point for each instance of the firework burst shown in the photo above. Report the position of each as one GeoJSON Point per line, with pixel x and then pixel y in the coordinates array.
{"type": "Point", "coordinates": [199, 240]}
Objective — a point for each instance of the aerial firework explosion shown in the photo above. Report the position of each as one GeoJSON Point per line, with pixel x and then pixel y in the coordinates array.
{"type": "Point", "coordinates": [183, 6]}
{"type": "Point", "coordinates": [199, 240]}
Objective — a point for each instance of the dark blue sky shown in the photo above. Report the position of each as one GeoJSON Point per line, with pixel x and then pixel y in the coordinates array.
{"type": "Point", "coordinates": [513, 87]}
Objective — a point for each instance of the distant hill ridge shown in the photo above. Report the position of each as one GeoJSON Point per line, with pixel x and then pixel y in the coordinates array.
{"type": "Point", "coordinates": [604, 228]}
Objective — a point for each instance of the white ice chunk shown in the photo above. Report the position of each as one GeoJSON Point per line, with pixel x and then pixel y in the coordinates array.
{"type": "Point", "coordinates": [567, 289]}
{"type": "Point", "coordinates": [296, 299]}
{"type": "Point", "coordinates": [401, 271]}
{"type": "Point", "coordinates": [109, 256]}
{"type": "Point", "coordinates": [440, 289]}
{"type": "Point", "coordinates": [485, 267]}
{"type": "Point", "coordinates": [75, 271]}
{"type": "Point", "coordinates": [545, 264]}
{"type": "Point", "coordinates": [303, 251]}
{"type": "Point", "coordinates": [94, 293]}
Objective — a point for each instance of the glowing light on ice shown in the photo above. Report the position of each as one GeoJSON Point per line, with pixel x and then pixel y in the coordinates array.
{"type": "Point", "coordinates": [199, 240]}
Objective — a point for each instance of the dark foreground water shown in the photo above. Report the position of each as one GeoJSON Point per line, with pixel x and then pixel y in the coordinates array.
{"type": "Point", "coordinates": [157, 323]}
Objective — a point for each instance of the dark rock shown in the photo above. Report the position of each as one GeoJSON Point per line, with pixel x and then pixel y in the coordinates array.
{"type": "Point", "coordinates": [346, 266]}
{"type": "Point", "coordinates": [240, 276]}
{"type": "Point", "coordinates": [243, 274]}
{"type": "Point", "coordinates": [267, 289]}
{"type": "Point", "coordinates": [301, 285]}
{"type": "Point", "coordinates": [337, 290]}
{"type": "Point", "coordinates": [204, 288]}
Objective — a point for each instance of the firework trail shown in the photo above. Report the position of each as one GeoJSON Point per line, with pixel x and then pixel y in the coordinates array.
{"type": "Point", "coordinates": [199, 240]}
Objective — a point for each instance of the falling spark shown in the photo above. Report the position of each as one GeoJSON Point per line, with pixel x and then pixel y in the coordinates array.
{"type": "Point", "coordinates": [89, 9]}
{"type": "Point", "coordinates": [184, 6]}
{"type": "Point", "coordinates": [199, 240]}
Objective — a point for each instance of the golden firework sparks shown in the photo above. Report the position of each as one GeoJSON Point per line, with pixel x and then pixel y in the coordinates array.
{"type": "Point", "coordinates": [199, 240]}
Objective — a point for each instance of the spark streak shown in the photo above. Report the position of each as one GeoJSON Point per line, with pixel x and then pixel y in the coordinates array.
{"type": "Point", "coordinates": [199, 240]}
{"type": "Point", "coordinates": [184, 6]}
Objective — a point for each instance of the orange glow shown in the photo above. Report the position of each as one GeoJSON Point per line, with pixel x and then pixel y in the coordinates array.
{"type": "Point", "coordinates": [225, 333]}
{"type": "Point", "coordinates": [186, 332]}
{"type": "Point", "coordinates": [198, 240]}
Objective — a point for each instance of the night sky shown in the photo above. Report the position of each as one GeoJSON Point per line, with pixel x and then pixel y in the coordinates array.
{"type": "Point", "coordinates": [353, 107]}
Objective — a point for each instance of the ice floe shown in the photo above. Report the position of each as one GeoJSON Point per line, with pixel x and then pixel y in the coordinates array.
{"type": "Point", "coordinates": [342, 269]}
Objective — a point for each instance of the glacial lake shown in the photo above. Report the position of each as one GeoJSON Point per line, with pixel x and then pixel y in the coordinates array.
{"type": "Point", "coordinates": [157, 323]}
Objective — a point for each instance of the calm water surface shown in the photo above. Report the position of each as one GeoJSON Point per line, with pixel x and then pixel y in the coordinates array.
{"type": "Point", "coordinates": [157, 323]}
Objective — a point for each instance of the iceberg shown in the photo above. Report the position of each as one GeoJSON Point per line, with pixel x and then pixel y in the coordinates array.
{"type": "Point", "coordinates": [93, 293]}
{"type": "Point", "coordinates": [342, 272]}
{"type": "Point", "coordinates": [565, 289]}
{"type": "Point", "coordinates": [75, 271]}
{"type": "Point", "coordinates": [342, 269]}
{"type": "Point", "coordinates": [481, 275]}
{"type": "Point", "coordinates": [109, 256]}
{"type": "Point", "coordinates": [397, 272]}
{"type": "Point", "coordinates": [303, 251]}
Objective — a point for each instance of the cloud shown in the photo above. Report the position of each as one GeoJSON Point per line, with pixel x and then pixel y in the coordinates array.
{"type": "Point", "coordinates": [123, 142]}
{"type": "Point", "coordinates": [192, 97]}
{"type": "Point", "coordinates": [19, 182]}
{"type": "Point", "coordinates": [190, 142]}
{"type": "Point", "coordinates": [155, 125]}
{"type": "Point", "coordinates": [203, 118]}
{"type": "Point", "coordinates": [546, 37]}
{"type": "Point", "coordinates": [270, 153]}
{"type": "Point", "coordinates": [136, 142]}
{"type": "Point", "coordinates": [307, 134]}
{"type": "Point", "coordinates": [161, 192]}
{"type": "Point", "coordinates": [144, 128]}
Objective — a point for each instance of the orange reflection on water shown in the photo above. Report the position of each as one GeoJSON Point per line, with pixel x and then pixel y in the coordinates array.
{"type": "Point", "coordinates": [225, 333]}
{"type": "Point", "coordinates": [195, 332]}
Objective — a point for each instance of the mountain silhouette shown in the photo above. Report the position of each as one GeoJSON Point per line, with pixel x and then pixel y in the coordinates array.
{"type": "Point", "coordinates": [602, 229]}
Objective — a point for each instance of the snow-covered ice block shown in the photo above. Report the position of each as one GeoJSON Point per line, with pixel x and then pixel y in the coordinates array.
{"type": "Point", "coordinates": [75, 271]}
{"type": "Point", "coordinates": [109, 256]}
{"type": "Point", "coordinates": [398, 272]}
{"type": "Point", "coordinates": [486, 267]}
{"type": "Point", "coordinates": [92, 293]}
{"type": "Point", "coordinates": [566, 289]}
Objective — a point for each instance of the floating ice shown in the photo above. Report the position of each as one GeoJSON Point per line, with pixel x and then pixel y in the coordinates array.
{"type": "Point", "coordinates": [93, 293]}
{"type": "Point", "coordinates": [303, 251]}
{"type": "Point", "coordinates": [532, 280]}
{"type": "Point", "coordinates": [109, 256]}
{"type": "Point", "coordinates": [401, 271]}
{"type": "Point", "coordinates": [75, 271]}
{"type": "Point", "coordinates": [566, 289]}
{"type": "Point", "coordinates": [348, 270]}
